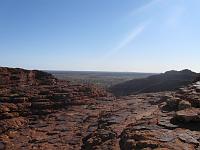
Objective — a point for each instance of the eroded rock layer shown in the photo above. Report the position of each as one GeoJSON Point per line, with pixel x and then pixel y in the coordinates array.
{"type": "Point", "coordinates": [40, 112]}
{"type": "Point", "coordinates": [175, 126]}
{"type": "Point", "coordinates": [36, 108]}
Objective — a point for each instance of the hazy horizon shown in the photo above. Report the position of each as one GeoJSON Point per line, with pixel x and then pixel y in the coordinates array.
{"type": "Point", "coordinates": [98, 71]}
{"type": "Point", "coordinates": [146, 36]}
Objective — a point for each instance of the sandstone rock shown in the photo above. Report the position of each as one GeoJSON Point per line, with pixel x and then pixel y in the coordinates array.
{"type": "Point", "coordinates": [196, 102]}
{"type": "Point", "coordinates": [98, 137]}
{"type": "Point", "coordinates": [187, 138]}
{"type": "Point", "coordinates": [29, 101]}
{"type": "Point", "coordinates": [13, 123]}
{"type": "Point", "coordinates": [169, 134]}
{"type": "Point", "coordinates": [156, 139]}
{"type": "Point", "coordinates": [8, 115]}
{"type": "Point", "coordinates": [188, 115]}
{"type": "Point", "coordinates": [7, 107]}
{"type": "Point", "coordinates": [4, 108]}
{"type": "Point", "coordinates": [38, 111]}
{"type": "Point", "coordinates": [173, 103]}
{"type": "Point", "coordinates": [184, 105]}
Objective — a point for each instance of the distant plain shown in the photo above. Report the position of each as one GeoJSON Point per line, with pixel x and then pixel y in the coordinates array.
{"type": "Point", "coordinates": [102, 79]}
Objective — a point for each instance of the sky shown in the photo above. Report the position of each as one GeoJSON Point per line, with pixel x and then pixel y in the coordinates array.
{"type": "Point", "coordinates": [100, 35]}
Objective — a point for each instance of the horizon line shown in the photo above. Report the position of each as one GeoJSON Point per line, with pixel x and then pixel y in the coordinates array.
{"type": "Point", "coordinates": [102, 71]}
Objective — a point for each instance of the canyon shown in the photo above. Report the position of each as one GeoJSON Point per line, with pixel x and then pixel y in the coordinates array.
{"type": "Point", "coordinates": [39, 111]}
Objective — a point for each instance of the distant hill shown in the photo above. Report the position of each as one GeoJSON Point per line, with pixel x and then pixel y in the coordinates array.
{"type": "Point", "coordinates": [168, 81]}
{"type": "Point", "coordinates": [198, 78]}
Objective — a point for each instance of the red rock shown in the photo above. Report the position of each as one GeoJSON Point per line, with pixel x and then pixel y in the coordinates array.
{"type": "Point", "coordinates": [40, 112]}
{"type": "Point", "coordinates": [188, 115]}
{"type": "Point", "coordinates": [184, 105]}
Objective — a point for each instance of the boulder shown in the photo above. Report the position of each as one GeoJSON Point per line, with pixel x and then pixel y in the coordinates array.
{"type": "Point", "coordinates": [188, 115]}
{"type": "Point", "coordinates": [184, 105]}
{"type": "Point", "coordinates": [173, 103]}
{"type": "Point", "coordinates": [98, 137]}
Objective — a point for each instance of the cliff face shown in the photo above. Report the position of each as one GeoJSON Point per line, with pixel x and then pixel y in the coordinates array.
{"type": "Point", "coordinates": [9, 76]}
{"type": "Point", "coordinates": [27, 95]}
{"type": "Point", "coordinates": [169, 81]}
{"type": "Point", "coordinates": [40, 112]}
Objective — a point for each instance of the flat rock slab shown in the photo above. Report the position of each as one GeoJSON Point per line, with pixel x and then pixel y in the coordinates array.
{"type": "Point", "coordinates": [188, 115]}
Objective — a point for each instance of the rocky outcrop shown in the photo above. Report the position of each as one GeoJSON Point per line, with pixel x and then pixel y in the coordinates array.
{"type": "Point", "coordinates": [152, 136]}
{"type": "Point", "coordinates": [175, 126]}
{"type": "Point", "coordinates": [188, 115]}
{"type": "Point", "coordinates": [41, 112]}
{"type": "Point", "coordinates": [21, 77]}
{"type": "Point", "coordinates": [26, 96]}
{"type": "Point", "coordinates": [169, 81]}
{"type": "Point", "coordinates": [184, 105]}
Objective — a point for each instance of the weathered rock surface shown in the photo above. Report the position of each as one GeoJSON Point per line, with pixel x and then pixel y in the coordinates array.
{"type": "Point", "coordinates": [184, 105]}
{"type": "Point", "coordinates": [188, 115]}
{"type": "Point", "coordinates": [37, 111]}
{"type": "Point", "coordinates": [46, 113]}
{"type": "Point", "coordinates": [168, 128]}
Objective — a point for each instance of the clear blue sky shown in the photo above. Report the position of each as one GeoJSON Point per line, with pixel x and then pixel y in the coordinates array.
{"type": "Point", "coordinates": [103, 35]}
